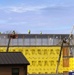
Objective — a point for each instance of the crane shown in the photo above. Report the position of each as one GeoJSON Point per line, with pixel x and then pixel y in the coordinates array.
{"type": "Point", "coordinates": [64, 41]}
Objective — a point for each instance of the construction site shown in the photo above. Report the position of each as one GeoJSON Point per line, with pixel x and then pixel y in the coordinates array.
{"type": "Point", "coordinates": [47, 53]}
{"type": "Point", "coordinates": [36, 37]}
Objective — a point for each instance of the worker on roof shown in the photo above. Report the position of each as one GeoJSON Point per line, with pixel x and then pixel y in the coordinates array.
{"type": "Point", "coordinates": [29, 31]}
{"type": "Point", "coordinates": [40, 32]}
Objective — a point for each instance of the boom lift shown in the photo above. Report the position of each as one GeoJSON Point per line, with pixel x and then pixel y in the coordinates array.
{"type": "Point", "coordinates": [11, 36]}
{"type": "Point", "coordinates": [65, 50]}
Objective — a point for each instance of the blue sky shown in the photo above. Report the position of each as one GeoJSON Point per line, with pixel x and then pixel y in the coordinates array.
{"type": "Point", "coordinates": [48, 16]}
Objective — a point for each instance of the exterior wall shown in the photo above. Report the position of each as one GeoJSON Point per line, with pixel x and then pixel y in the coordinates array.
{"type": "Point", "coordinates": [7, 70]}
{"type": "Point", "coordinates": [42, 59]}
{"type": "Point", "coordinates": [33, 39]}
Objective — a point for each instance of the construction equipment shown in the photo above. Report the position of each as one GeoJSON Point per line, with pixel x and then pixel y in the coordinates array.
{"type": "Point", "coordinates": [11, 36]}
{"type": "Point", "coordinates": [67, 42]}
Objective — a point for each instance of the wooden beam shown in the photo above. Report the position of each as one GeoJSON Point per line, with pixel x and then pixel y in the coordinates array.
{"type": "Point", "coordinates": [65, 56]}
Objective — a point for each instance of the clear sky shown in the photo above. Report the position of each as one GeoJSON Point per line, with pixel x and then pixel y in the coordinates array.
{"type": "Point", "coordinates": [48, 16]}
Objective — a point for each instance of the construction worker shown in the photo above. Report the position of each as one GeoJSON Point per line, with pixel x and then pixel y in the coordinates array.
{"type": "Point", "coordinates": [13, 35]}
{"type": "Point", "coordinates": [13, 32]}
{"type": "Point", "coordinates": [40, 32]}
{"type": "Point", "coordinates": [29, 31]}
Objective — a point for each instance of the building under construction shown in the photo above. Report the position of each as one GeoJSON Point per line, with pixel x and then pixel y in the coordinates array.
{"type": "Point", "coordinates": [41, 50]}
